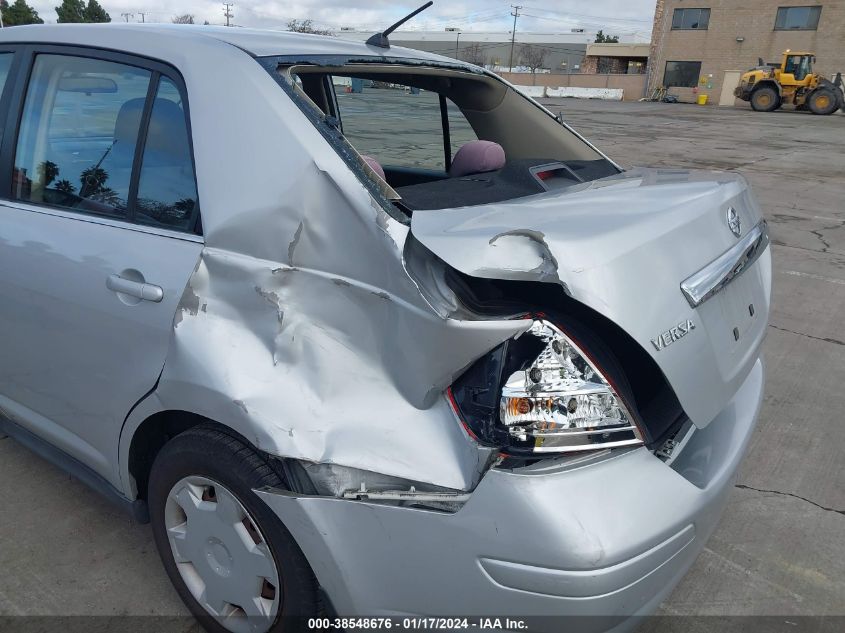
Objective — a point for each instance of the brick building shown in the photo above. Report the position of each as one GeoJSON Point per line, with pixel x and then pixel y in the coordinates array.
{"type": "Point", "coordinates": [615, 59]}
{"type": "Point", "coordinates": [700, 46]}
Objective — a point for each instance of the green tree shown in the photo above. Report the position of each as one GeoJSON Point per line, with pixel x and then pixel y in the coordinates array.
{"type": "Point", "coordinates": [19, 13]}
{"type": "Point", "coordinates": [601, 38]}
{"type": "Point", "coordinates": [71, 11]}
{"type": "Point", "coordinates": [94, 12]}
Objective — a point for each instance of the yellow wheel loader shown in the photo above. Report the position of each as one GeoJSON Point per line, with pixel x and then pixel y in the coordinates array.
{"type": "Point", "coordinates": [769, 86]}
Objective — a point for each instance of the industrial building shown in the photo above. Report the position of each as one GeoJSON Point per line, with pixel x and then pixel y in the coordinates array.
{"type": "Point", "coordinates": [563, 52]}
{"type": "Point", "coordinates": [702, 46]}
{"type": "Point", "coordinates": [615, 59]}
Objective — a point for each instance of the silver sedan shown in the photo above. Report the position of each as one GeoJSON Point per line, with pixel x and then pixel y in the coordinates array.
{"type": "Point", "coordinates": [365, 331]}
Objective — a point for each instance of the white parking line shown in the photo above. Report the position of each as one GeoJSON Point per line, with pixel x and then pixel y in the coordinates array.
{"type": "Point", "coordinates": [831, 280]}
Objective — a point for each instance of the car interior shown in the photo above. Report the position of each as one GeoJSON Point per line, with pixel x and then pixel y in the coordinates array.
{"type": "Point", "coordinates": [519, 150]}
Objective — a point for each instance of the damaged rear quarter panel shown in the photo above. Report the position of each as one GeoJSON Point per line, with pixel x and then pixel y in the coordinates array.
{"type": "Point", "coordinates": [300, 328]}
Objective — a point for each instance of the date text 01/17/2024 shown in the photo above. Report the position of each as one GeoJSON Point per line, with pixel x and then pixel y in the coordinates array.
{"type": "Point", "coordinates": [417, 623]}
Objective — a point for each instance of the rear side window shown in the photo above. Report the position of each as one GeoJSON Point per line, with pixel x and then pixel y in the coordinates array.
{"type": "Point", "coordinates": [82, 144]}
{"type": "Point", "coordinates": [167, 191]}
{"type": "Point", "coordinates": [78, 134]}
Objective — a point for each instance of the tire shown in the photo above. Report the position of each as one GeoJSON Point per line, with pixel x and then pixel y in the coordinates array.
{"type": "Point", "coordinates": [823, 101]}
{"type": "Point", "coordinates": [209, 474]}
{"type": "Point", "coordinates": [765, 99]}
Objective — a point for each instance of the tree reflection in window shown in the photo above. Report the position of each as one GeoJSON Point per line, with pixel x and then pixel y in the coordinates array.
{"type": "Point", "coordinates": [48, 171]}
{"type": "Point", "coordinates": [94, 187]}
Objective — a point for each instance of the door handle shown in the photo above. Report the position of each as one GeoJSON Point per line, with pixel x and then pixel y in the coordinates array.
{"type": "Point", "coordinates": [140, 290]}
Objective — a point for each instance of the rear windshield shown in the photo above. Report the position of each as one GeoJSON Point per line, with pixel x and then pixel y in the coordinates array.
{"type": "Point", "coordinates": [443, 138]}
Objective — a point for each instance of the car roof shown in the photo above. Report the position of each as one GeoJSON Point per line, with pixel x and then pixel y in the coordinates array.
{"type": "Point", "coordinates": [258, 42]}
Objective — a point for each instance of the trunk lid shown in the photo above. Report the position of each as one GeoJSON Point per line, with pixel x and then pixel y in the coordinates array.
{"type": "Point", "coordinates": [623, 245]}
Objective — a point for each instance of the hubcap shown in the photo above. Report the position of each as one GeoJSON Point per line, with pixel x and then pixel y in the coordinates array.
{"type": "Point", "coordinates": [221, 555]}
{"type": "Point", "coordinates": [822, 101]}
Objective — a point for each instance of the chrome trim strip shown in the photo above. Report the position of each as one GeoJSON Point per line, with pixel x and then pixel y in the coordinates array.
{"type": "Point", "coordinates": [710, 280]}
{"type": "Point", "coordinates": [597, 431]}
{"type": "Point", "coordinates": [585, 447]}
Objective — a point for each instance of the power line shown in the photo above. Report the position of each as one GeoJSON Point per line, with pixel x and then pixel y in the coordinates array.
{"type": "Point", "coordinates": [589, 16]}
{"type": "Point", "coordinates": [432, 24]}
{"type": "Point", "coordinates": [469, 17]}
{"type": "Point", "coordinates": [489, 46]}
{"type": "Point", "coordinates": [603, 25]}
{"type": "Point", "coordinates": [227, 12]}
{"type": "Point", "coordinates": [515, 14]}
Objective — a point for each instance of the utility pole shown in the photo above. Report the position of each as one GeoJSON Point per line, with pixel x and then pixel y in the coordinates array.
{"type": "Point", "coordinates": [227, 12]}
{"type": "Point", "coordinates": [142, 14]}
{"type": "Point", "coordinates": [515, 14]}
{"type": "Point", "coordinates": [457, 40]}
{"type": "Point", "coordinates": [126, 16]}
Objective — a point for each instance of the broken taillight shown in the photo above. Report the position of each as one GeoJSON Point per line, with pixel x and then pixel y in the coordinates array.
{"type": "Point", "coordinates": [541, 393]}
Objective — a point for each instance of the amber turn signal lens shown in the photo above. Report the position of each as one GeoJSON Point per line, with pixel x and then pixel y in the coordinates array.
{"type": "Point", "coordinates": [519, 406]}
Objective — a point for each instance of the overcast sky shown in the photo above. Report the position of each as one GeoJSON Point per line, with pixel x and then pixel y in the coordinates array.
{"type": "Point", "coordinates": [629, 18]}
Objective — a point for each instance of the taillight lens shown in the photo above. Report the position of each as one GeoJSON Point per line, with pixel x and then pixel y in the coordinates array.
{"type": "Point", "coordinates": [541, 393]}
{"type": "Point", "coordinates": [561, 402]}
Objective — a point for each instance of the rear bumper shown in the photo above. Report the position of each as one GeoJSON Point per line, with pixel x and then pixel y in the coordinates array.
{"type": "Point", "coordinates": [608, 539]}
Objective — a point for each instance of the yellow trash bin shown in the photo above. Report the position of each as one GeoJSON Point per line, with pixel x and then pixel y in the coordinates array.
{"type": "Point", "coordinates": [702, 99]}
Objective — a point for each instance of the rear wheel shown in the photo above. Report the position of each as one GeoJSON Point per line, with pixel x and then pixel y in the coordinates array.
{"type": "Point", "coordinates": [765, 99]}
{"type": "Point", "coordinates": [823, 101]}
{"type": "Point", "coordinates": [232, 561]}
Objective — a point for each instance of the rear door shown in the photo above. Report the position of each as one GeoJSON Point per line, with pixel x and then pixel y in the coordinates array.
{"type": "Point", "coordinates": [98, 238]}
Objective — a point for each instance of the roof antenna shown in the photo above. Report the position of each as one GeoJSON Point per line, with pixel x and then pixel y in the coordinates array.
{"type": "Point", "coordinates": [380, 39]}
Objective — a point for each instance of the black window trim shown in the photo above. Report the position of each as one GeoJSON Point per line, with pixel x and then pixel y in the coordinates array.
{"type": "Point", "coordinates": [140, 144]}
{"type": "Point", "coordinates": [11, 109]}
{"type": "Point", "coordinates": [11, 81]}
{"type": "Point", "coordinates": [689, 28]}
{"type": "Point", "coordinates": [446, 132]}
{"type": "Point", "coordinates": [798, 6]}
